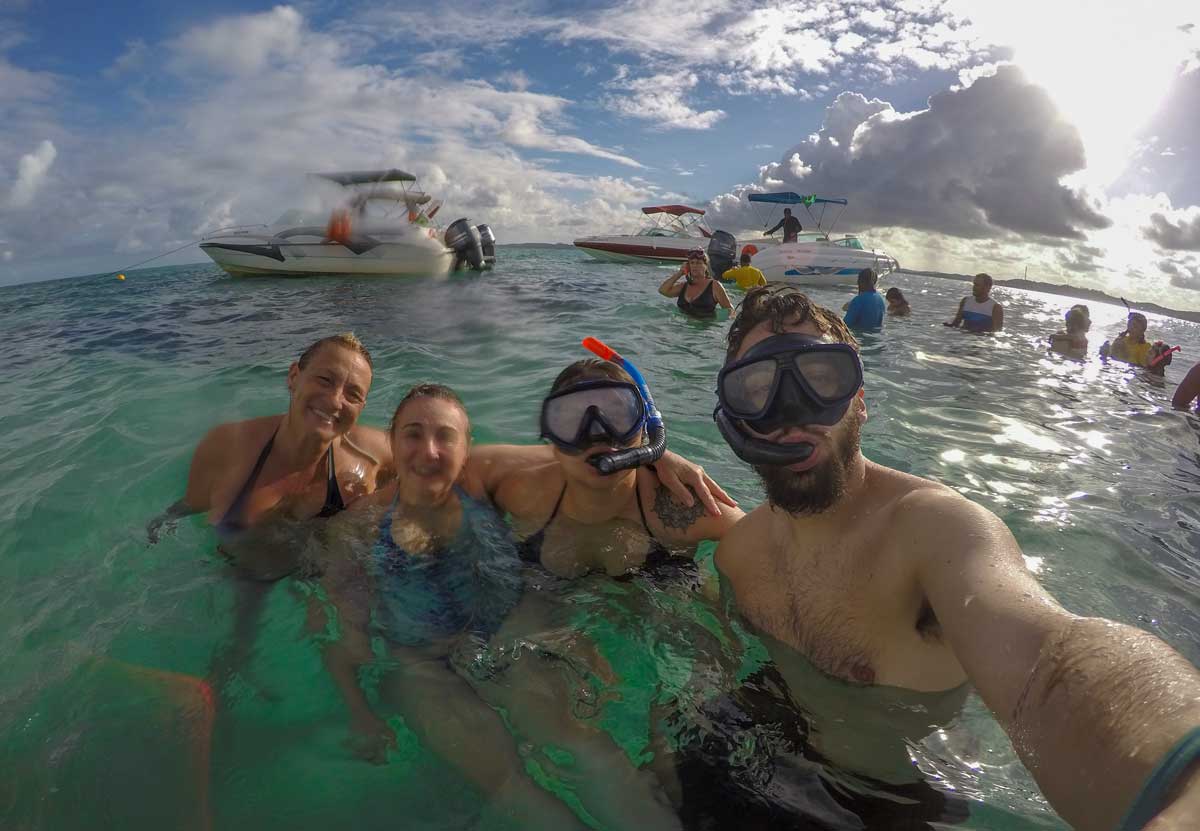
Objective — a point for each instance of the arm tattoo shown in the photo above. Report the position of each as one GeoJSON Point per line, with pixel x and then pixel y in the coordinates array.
{"type": "Point", "coordinates": [674, 514]}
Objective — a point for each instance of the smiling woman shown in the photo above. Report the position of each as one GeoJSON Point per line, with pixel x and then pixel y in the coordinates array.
{"type": "Point", "coordinates": [309, 462]}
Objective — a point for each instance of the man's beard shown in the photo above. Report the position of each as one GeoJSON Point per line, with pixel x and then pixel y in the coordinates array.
{"type": "Point", "coordinates": [816, 490]}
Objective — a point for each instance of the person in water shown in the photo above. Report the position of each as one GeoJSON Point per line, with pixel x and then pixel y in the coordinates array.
{"type": "Point", "coordinates": [866, 310]}
{"type": "Point", "coordinates": [311, 461]}
{"type": "Point", "coordinates": [432, 572]}
{"type": "Point", "coordinates": [1072, 341]}
{"type": "Point", "coordinates": [878, 577]}
{"type": "Point", "coordinates": [979, 312]}
{"type": "Point", "coordinates": [745, 275]}
{"type": "Point", "coordinates": [574, 519]}
{"type": "Point", "coordinates": [1188, 391]}
{"type": "Point", "coordinates": [699, 294]}
{"type": "Point", "coordinates": [790, 225]}
{"type": "Point", "coordinates": [897, 305]}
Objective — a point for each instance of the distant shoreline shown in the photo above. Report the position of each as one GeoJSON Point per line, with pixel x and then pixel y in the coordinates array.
{"type": "Point", "coordinates": [1095, 295]}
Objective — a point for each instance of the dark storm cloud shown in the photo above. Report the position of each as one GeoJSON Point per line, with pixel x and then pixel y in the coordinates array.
{"type": "Point", "coordinates": [1183, 235]}
{"type": "Point", "coordinates": [983, 161]}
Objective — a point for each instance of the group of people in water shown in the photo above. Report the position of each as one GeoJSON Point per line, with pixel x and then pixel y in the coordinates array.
{"type": "Point", "coordinates": [851, 573]}
{"type": "Point", "coordinates": [698, 293]}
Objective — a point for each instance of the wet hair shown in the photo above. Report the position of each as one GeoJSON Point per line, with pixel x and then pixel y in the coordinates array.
{"type": "Point", "coordinates": [346, 340]}
{"type": "Point", "coordinates": [867, 279]}
{"type": "Point", "coordinates": [1078, 318]}
{"type": "Point", "coordinates": [744, 259]}
{"type": "Point", "coordinates": [895, 294]}
{"type": "Point", "coordinates": [438, 391]}
{"type": "Point", "coordinates": [590, 369]}
{"type": "Point", "coordinates": [780, 306]}
{"type": "Point", "coordinates": [985, 276]}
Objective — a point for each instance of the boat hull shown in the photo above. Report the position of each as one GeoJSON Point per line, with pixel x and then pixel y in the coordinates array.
{"type": "Point", "coordinates": [283, 255]}
{"type": "Point", "coordinates": [819, 264]}
{"type": "Point", "coordinates": [640, 249]}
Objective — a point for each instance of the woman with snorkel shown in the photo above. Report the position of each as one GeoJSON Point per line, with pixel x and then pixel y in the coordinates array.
{"type": "Point", "coordinates": [597, 511]}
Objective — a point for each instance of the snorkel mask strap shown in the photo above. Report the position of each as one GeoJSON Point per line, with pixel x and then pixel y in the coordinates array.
{"type": "Point", "coordinates": [656, 431]}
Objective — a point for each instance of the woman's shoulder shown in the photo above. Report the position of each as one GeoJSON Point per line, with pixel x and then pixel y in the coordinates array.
{"type": "Point", "coordinates": [232, 439]}
{"type": "Point", "coordinates": [531, 490]}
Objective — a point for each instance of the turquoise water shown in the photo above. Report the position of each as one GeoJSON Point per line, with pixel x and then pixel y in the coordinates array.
{"type": "Point", "coordinates": [108, 386]}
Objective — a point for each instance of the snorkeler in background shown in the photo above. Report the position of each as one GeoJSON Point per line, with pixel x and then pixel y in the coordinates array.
{"type": "Point", "coordinates": [1131, 345]}
{"type": "Point", "coordinates": [979, 312]}
{"type": "Point", "coordinates": [878, 577]}
{"type": "Point", "coordinates": [432, 572]}
{"type": "Point", "coordinates": [1072, 341]}
{"type": "Point", "coordinates": [897, 305]}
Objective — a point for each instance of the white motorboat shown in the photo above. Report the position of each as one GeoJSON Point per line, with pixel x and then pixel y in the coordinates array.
{"type": "Point", "coordinates": [815, 258]}
{"type": "Point", "coordinates": [676, 229]}
{"type": "Point", "coordinates": [385, 227]}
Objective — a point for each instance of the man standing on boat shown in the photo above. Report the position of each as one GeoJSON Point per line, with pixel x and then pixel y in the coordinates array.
{"type": "Point", "coordinates": [790, 225]}
{"type": "Point", "coordinates": [880, 578]}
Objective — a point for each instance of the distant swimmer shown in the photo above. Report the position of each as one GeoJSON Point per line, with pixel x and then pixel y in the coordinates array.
{"type": "Point", "coordinates": [980, 312]}
{"type": "Point", "coordinates": [885, 579]}
{"type": "Point", "coordinates": [790, 225]}
{"type": "Point", "coordinates": [866, 310]}
{"type": "Point", "coordinates": [1132, 347]}
{"type": "Point", "coordinates": [1188, 391]}
{"type": "Point", "coordinates": [745, 275]}
{"type": "Point", "coordinates": [1072, 341]}
{"type": "Point", "coordinates": [311, 461]}
{"type": "Point", "coordinates": [897, 303]}
{"type": "Point", "coordinates": [699, 294]}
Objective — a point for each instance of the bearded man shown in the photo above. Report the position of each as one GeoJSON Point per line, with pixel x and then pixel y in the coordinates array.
{"type": "Point", "coordinates": [877, 581]}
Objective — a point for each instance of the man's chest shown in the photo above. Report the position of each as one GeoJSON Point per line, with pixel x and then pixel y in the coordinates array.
{"type": "Point", "coordinates": [854, 617]}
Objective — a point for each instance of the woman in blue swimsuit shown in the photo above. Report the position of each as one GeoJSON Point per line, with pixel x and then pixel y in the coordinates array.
{"type": "Point", "coordinates": [438, 575]}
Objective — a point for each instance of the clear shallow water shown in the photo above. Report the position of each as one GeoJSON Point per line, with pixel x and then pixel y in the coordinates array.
{"type": "Point", "coordinates": [108, 386]}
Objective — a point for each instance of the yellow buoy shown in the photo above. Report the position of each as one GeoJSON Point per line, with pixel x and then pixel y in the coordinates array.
{"type": "Point", "coordinates": [120, 276]}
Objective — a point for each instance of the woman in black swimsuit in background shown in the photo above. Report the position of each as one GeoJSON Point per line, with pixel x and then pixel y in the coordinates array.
{"type": "Point", "coordinates": [699, 294]}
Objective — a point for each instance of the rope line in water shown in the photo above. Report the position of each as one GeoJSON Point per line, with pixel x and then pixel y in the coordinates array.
{"type": "Point", "coordinates": [152, 259]}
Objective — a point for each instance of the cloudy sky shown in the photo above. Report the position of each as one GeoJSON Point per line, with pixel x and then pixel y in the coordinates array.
{"type": "Point", "coordinates": [967, 134]}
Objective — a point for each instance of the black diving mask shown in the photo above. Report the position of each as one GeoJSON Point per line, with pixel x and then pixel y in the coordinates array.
{"type": "Point", "coordinates": [786, 380]}
{"type": "Point", "coordinates": [593, 412]}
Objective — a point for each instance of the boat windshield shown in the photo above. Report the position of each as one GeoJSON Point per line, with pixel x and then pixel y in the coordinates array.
{"type": "Point", "coordinates": [661, 231]}
{"type": "Point", "coordinates": [850, 242]}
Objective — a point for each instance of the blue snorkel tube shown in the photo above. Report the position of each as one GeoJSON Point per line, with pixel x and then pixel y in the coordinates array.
{"type": "Point", "coordinates": [656, 431]}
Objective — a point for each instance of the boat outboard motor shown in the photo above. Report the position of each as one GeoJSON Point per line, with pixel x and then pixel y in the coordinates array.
{"type": "Point", "coordinates": [722, 252]}
{"type": "Point", "coordinates": [463, 239]}
{"type": "Point", "coordinates": [488, 238]}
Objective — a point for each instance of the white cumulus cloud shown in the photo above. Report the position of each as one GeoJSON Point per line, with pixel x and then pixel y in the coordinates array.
{"type": "Point", "coordinates": [31, 172]}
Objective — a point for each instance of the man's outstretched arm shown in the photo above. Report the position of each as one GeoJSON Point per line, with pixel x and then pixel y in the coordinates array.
{"type": "Point", "coordinates": [1092, 706]}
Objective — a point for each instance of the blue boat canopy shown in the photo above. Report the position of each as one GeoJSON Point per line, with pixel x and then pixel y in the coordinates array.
{"type": "Point", "coordinates": [368, 177]}
{"type": "Point", "coordinates": [789, 198]}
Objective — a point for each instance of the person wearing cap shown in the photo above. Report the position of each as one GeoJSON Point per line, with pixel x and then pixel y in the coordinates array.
{"type": "Point", "coordinates": [699, 294]}
{"type": "Point", "coordinates": [745, 275]}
